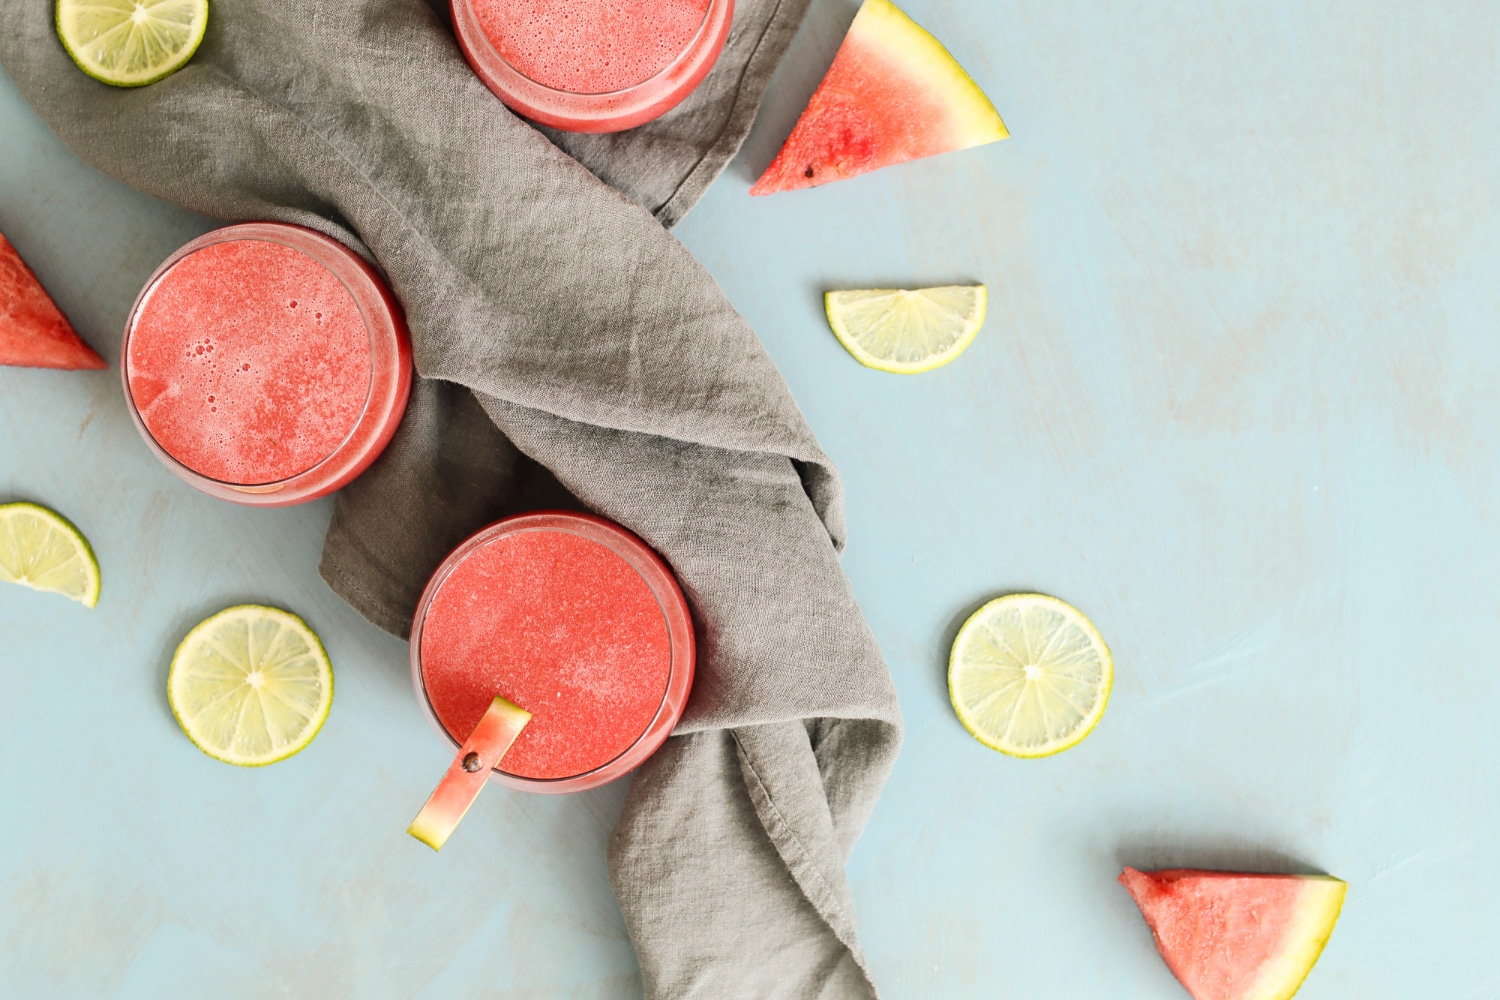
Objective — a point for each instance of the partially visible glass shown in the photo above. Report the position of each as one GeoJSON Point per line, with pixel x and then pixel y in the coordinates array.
{"type": "Point", "coordinates": [611, 111]}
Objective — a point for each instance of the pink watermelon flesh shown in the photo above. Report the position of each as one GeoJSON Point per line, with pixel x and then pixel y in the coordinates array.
{"type": "Point", "coordinates": [33, 331]}
{"type": "Point", "coordinates": [893, 94]}
{"type": "Point", "coordinates": [498, 728]}
{"type": "Point", "coordinates": [1236, 936]}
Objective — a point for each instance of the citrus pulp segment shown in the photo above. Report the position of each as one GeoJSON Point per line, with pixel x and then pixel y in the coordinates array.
{"type": "Point", "coordinates": [1029, 675]}
{"type": "Point", "coordinates": [251, 685]}
{"type": "Point", "coordinates": [906, 331]}
{"type": "Point", "coordinates": [41, 549]}
{"type": "Point", "coordinates": [130, 43]}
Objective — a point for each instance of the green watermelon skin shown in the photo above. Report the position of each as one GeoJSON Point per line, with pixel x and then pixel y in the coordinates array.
{"type": "Point", "coordinates": [1237, 935]}
{"type": "Point", "coordinates": [33, 331]}
{"type": "Point", "coordinates": [893, 94]}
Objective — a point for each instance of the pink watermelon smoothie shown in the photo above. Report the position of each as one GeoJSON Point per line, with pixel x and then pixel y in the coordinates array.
{"type": "Point", "coordinates": [590, 46]}
{"type": "Point", "coordinates": [250, 362]}
{"type": "Point", "coordinates": [592, 65]}
{"type": "Point", "coordinates": [574, 620]}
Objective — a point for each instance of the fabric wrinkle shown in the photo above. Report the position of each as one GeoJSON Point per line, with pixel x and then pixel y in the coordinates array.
{"type": "Point", "coordinates": [570, 353]}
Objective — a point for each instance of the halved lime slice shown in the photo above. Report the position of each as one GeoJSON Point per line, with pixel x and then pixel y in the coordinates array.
{"type": "Point", "coordinates": [251, 686]}
{"type": "Point", "coordinates": [906, 331]}
{"type": "Point", "coordinates": [130, 43]}
{"type": "Point", "coordinates": [41, 549]}
{"type": "Point", "coordinates": [1029, 675]}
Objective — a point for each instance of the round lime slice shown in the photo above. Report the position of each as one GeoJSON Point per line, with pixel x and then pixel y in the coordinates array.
{"type": "Point", "coordinates": [1029, 675]}
{"type": "Point", "coordinates": [251, 686]}
{"type": "Point", "coordinates": [41, 549]}
{"type": "Point", "coordinates": [906, 331]}
{"type": "Point", "coordinates": [130, 43]}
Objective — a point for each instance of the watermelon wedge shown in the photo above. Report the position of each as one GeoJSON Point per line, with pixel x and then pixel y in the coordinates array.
{"type": "Point", "coordinates": [498, 728]}
{"type": "Point", "coordinates": [33, 331]}
{"type": "Point", "coordinates": [892, 94]}
{"type": "Point", "coordinates": [1236, 936]}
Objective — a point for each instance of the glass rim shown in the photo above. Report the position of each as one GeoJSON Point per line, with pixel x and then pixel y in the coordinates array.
{"type": "Point", "coordinates": [683, 56]}
{"type": "Point", "coordinates": [307, 242]}
{"type": "Point", "coordinates": [681, 660]}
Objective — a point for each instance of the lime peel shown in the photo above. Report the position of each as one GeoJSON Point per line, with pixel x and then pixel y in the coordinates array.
{"type": "Point", "coordinates": [465, 778]}
{"type": "Point", "coordinates": [41, 549]}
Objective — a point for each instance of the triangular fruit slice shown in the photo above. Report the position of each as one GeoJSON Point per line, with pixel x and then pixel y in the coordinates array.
{"type": "Point", "coordinates": [498, 728]}
{"type": "Point", "coordinates": [1236, 936]}
{"type": "Point", "coordinates": [33, 331]}
{"type": "Point", "coordinates": [892, 94]}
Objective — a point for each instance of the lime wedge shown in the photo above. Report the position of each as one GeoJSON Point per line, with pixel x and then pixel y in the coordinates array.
{"type": "Point", "coordinates": [906, 331]}
{"type": "Point", "coordinates": [1029, 675]}
{"type": "Point", "coordinates": [40, 549]}
{"type": "Point", "coordinates": [251, 686]}
{"type": "Point", "coordinates": [130, 43]}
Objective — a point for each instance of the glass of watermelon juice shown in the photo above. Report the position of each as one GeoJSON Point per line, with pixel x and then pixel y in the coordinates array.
{"type": "Point", "coordinates": [575, 620]}
{"type": "Point", "coordinates": [592, 65]}
{"type": "Point", "coordinates": [266, 364]}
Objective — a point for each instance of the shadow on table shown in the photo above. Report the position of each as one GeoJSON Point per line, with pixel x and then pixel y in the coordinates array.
{"type": "Point", "coordinates": [1229, 853]}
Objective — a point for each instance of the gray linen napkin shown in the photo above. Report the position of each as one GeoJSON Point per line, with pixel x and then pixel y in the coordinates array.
{"type": "Point", "coordinates": [568, 346]}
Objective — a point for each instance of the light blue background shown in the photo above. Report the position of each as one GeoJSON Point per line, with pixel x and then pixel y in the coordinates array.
{"type": "Point", "coordinates": [1236, 399]}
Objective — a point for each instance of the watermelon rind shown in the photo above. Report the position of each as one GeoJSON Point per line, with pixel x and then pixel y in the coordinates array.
{"type": "Point", "coordinates": [450, 801]}
{"type": "Point", "coordinates": [125, 43]}
{"type": "Point", "coordinates": [1317, 912]}
{"type": "Point", "coordinates": [974, 119]}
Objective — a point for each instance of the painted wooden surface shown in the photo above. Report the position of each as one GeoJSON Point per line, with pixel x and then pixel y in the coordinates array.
{"type": "Point", "coordinates": [1236, 399]}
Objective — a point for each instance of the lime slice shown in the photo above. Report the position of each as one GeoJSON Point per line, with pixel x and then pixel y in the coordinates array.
{"type": "Point", "coordinates": [251, 685]}
{"type": "Point", "coordinates": [901, 331]}
{"type": "Point", "coordinates": [1029, 675]}
{"type": "Point", "coordinates": [130, 43]}
{"type": "Point", "coordinates": [40, 549]}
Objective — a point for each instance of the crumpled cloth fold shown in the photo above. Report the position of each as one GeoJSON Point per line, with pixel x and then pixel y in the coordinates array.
{"type": "Point", "coordinates": [569, 351]}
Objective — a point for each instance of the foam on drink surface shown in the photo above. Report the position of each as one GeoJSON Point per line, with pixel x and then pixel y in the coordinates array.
{"type": "Point", "coordinates": [249, 362]}
{"type": "Point", "coordinates": [590, 46]}
{"type": "Point", "coordinates": [560, 625]}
